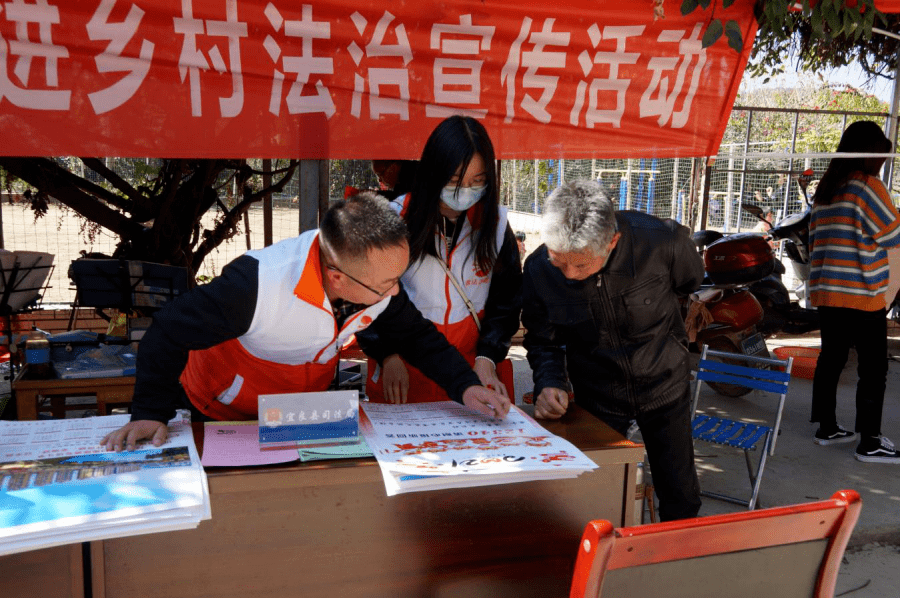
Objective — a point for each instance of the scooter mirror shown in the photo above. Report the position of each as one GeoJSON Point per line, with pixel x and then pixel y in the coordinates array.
{"type": "Point", "coordinates": [753, 209]}
{"type": "Point", "coordinates": [705, 237]}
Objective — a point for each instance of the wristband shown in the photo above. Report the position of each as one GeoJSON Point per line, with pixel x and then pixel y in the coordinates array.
{"type": "Point", "coordinates": [487, 359]}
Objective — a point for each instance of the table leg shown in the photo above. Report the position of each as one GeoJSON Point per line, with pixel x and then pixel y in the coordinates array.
{"type": "Point", "coordinates": [102, 396]}
{"type": "Point", "coordinates": [26, 404]}
{"type": "Point", "coordinates": [57, 406]}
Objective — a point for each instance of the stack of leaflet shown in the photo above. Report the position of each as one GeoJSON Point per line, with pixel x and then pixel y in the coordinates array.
{"type": "Point", "coordinates": [236, 444]}
{"type": "Point", "coordinates": [59, 486]}
{"type": "Point", "coordinates": [431, 446]}
{"type": "Point", "coordinates": [309, 426]}
{"type": "Point", "coordinates": [105, 361]}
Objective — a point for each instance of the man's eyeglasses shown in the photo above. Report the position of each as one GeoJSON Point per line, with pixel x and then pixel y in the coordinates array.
{"type": "Point", "coordinates": [381, 294]}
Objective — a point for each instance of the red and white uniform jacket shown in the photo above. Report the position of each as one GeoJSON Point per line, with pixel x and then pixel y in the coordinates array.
{"type": "Point", "coordinates": [495, 295]}
{"type": "Point", "coordinates": [265, 326]}
{"type": "Point", "coordinates": [292, 342]}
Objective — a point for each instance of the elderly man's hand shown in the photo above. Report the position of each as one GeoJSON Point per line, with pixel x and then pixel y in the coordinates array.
{"type": "Point", "coordinates": [133, 432]}
{"type": "Point", "coordinates": [551, 403]}
{"type": "Point", "coordinates": [486, 401]}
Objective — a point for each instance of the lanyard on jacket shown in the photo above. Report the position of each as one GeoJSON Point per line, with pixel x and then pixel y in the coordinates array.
{"type": "Point", "coordinates": [459, 289]}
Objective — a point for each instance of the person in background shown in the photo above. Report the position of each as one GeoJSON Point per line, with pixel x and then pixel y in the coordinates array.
{"type": "Point", "coordinates": [765, 225]}
{"type": "Point", "coordinates": [520, 243]}
{"type": "Point", "coordinates": [276, 318]}
{"type": "Point", "coordinates": [601, 309]}
{"type": "Point", "coordinates": [395, 177]}
{"type": "Point", "coordinates": [853, 222]}
{"type": "Point", "coordinates": [465, 274]}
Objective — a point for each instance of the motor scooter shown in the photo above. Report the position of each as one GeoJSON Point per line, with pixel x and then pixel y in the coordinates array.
{"type": "Point", "coordinates": [724, 314]}
{"type": "Point", "coordinates": [781, 313]}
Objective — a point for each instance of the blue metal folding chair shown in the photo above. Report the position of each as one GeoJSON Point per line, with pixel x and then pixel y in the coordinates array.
{"type": "Point", "coordinates": [770, 375]}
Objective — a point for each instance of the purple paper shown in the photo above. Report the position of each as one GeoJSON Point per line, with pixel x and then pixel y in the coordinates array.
{"type": "Point", "coordinates": [237, 444]}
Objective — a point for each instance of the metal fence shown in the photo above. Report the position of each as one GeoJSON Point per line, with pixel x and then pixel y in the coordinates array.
{"type": "Point", "coordinates": [661, 187]}
{"type": "Point", "coordinates": [753, 165]}
{"type": "Point", "coordinates": [758, 165]}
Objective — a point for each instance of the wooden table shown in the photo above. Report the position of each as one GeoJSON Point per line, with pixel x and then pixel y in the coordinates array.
{"type": "Point", "coordinates": [328, 529]}
{"type": "Point", "coordinates": [108, 391]}
{"type": "Point", "coordinates": [47, 573]}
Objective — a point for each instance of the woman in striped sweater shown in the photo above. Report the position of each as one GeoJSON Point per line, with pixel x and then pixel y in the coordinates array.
{"type": "Point", "coordinates": [853, 222]}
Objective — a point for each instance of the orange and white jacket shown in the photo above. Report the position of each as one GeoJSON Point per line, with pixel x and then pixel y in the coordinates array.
{"type": "Point", "coordinates": [430, 289]}
{"type": "Point", "coordinates": [265, 327]}
{"type": "Point", "coordinates": [290, 343]}
{"type": "Point", "coordinates": [432, 292]}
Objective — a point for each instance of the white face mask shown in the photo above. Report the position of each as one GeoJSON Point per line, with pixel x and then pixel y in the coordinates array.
{"type": "Point", "coordinates": [463, 198]}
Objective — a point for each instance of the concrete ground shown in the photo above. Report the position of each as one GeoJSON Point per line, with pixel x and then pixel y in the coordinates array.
{"type": "Point", "coordinates": [801, 471]}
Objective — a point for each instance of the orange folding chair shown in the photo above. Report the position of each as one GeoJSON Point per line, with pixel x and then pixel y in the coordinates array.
{"type": "Point", "coordinates": [780, 552]}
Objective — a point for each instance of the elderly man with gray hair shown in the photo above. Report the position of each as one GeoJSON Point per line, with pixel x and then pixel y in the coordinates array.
{"type": "Point", "coordinates": [601, 310]}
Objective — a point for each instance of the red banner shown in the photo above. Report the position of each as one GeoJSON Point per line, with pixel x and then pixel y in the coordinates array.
{"type": "Point", "coordinates": [335, 79]}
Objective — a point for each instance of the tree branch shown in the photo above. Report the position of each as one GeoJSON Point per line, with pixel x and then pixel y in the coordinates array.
{"type": "Point", "coordinates": [223, 229]}
{"type": "Point", "coordinates": [50, 178]}
{"type": "Point", "coordinates": [118, 182]}
{"type": "Point", "coordinates": [96, 190]}
{"type": "Point", "coordinates": [292, 165]}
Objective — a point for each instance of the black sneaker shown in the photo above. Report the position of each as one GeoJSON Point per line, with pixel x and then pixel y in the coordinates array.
{"type": "Point", "coordinates": [883, 452]}
{"type": "Point", "coordinates": [838, 436]}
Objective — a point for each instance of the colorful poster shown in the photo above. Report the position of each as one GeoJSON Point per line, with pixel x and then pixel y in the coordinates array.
{"type": "Point", "coordinates": [45, 439]}
{"type": "Point", "coordinates": [422, 446]}
{"type": "Point", "coordinates": [58, 486]}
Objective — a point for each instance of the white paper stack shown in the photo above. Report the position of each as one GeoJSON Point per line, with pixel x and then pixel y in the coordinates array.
{"type": "Point", "coordinates": [430, 446]}
{"type": "Point", "coordinates": [59, 486]}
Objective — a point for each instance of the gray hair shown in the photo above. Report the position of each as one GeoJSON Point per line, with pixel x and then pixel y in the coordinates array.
{"type": "Point", "coordinates": [365, 221]}
{"type": "Point", "coordinates": [578, 216]}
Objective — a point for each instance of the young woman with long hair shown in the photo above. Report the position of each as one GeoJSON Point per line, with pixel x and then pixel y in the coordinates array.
{"type": "Point", "coordinates": [853, 222]}
{"type": "Point", "coordinates": [465, 274]}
